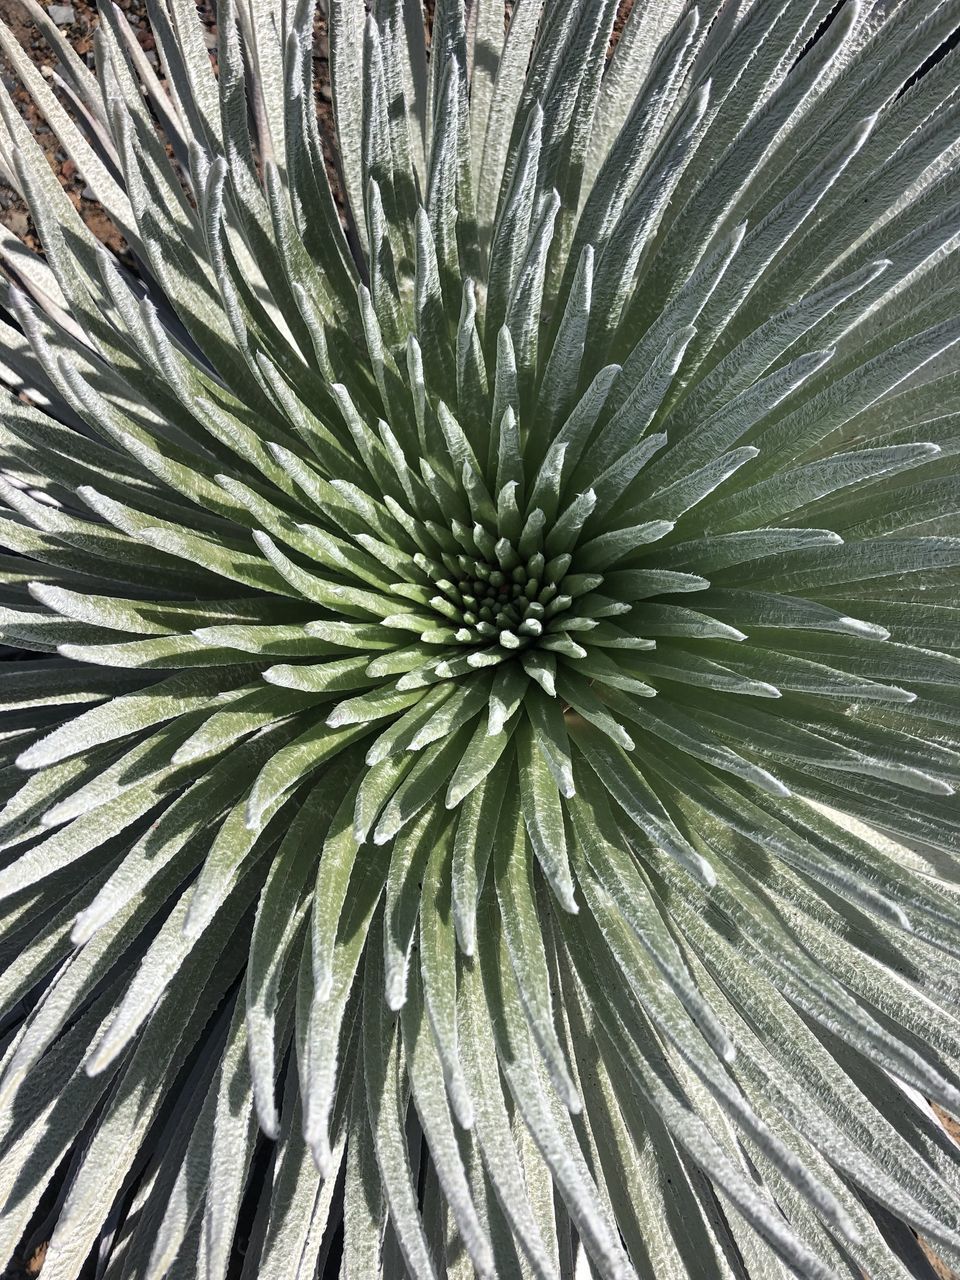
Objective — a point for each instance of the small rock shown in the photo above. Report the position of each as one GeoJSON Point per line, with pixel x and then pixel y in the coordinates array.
{"type": "Point", "coordinates": [35, 1263]}
{"type": "Point", "coordinates": [17, 222]}
{"type": "Point", "coordinates": [88, 193]}
{"type": "Point", "coordinates": [62, 14]}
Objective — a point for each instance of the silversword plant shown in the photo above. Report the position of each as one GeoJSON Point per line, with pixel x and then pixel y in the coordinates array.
{"type": "Point", "coordinates": [481, 582]}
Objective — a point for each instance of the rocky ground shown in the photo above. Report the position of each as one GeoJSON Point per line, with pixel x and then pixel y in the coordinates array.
{"type": "Point", "coordinates": [78, 21]}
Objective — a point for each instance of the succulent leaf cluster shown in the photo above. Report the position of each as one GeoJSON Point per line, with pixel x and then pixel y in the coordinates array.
{"type": "Point", "coordinates": [480, 580]}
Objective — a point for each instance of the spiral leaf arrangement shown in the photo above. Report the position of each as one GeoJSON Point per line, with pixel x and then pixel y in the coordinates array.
{"type": "Point", "coordinates": [483, 579]}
